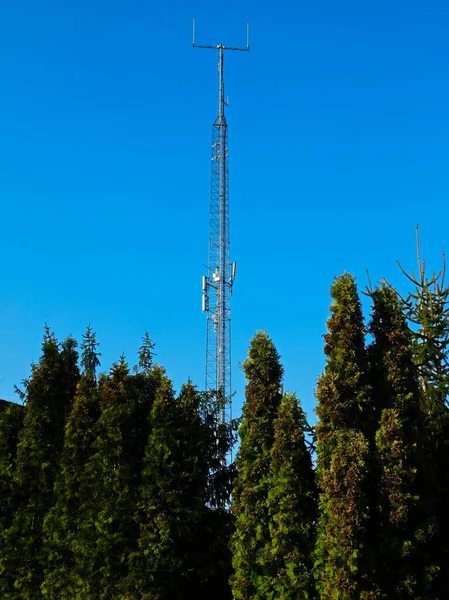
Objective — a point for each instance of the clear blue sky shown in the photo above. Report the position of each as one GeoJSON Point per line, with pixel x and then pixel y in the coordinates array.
{"type": "Point", "coordinates": [339, 144]}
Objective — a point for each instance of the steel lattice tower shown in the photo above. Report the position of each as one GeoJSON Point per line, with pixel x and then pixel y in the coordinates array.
{"type": "Point", "coordinates": [218, 283]}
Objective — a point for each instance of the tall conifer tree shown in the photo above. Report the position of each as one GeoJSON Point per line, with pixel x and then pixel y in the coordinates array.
{"type": "Point", "coordinates": [107, 531]}
{"type": "Point", "coordinates": [292, 508]}
{"type": "Point", "coordinates": [61, 525]}
{"type": "Point", "coordinates": [264, 373]}
{"type": "Point", "coordinates": [171, 550]}
{"type": "Point", "coordinates": [343, 450]}
{"type": "Point", "coordinates": [90, 357]}
{"type": "Point", "coordinates": [427, 310]}
{"type": "Point", "coordinates": [405, 523]}
{"type": "Point", "coordinates": [49, 395]}
{"type": "Point", "coordinates": [143, 388]}
{"type": "Point", "coordinates": [105, 524]}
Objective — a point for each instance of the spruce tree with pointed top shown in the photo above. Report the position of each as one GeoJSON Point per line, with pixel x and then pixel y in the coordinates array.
{"type": "Point", "coordinates": [263, 373]}
{"type": "Point", "coordinates": [292, 509]}
{"type": "Point", "coordinates": [90, 357]}
{"type": "Point", "coordinates": [343, 434]}
{"type": "Point", "coordinates": [405, 522]}
{"type": "Point", "coordinates": [145, 354]}
{"type": "Point", "coordinates": [427, 311]}
{"type": "Point", "coordinates": [49, 395]}
{"type": "Point", "coordinates": [170, 555]}
{"type": "Point", "coordinates": [143, 388]}
{"type": "Point", "coordinates": [61, 525]}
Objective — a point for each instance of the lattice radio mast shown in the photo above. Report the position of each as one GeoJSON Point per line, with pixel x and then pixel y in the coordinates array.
{"type": "Point", "coordinates": [218, 283]}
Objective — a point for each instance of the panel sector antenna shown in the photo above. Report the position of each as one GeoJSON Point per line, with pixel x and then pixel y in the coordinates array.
{"type": "Point", "coordinates": [218, 283]}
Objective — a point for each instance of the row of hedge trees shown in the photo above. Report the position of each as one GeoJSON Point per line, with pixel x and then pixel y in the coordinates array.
{"type": "Point", "coordinates": [113, 486]}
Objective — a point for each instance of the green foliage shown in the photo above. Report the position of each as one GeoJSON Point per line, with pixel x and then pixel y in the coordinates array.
{"type": "Point", "coordinates": [113, 488]}
{"type": "Point", "coordinates": [171, 549]}
{"type": "Point", "coordinates": [221, 439]}
{"type": "Point", "coordinates": [89, 355]}
{"type": "Point", "coordinates": [62, 523]}
{"type": "Point", "coordinates": [106, 531]}
{"type": "Point", "coordinates": [427, 310]}
{"type": "Point", "coordinates": [343, 450]}
{"type": "Point", "coordinates": [11, 423]}
{"type": "Point", "coordinates": [291, 506]}
{"type": "Point", "coordinates": [219, 521]}
{"type": "Point", "coordinates": [263, 396]}
{"type": "Point", "coordinates": [404, 525]}
{"type": "Point", "coordinates": [145, 354]}
{"type": "Point", "coordinates": [49, 394]}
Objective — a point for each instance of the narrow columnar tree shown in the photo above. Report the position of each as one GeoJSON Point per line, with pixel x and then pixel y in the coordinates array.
{"type": "Point", "coordinates": [292, 508]}
{"type": "Point", "coordinates": [405, 523]}
{"type": "Point", "coordinates": [105, 527]}
{"type": "Point", "coordinates": [171, 550]}
{"type": "Point", "coordinates": [62, 523]}
{"type": "Point", "coordinates": [264, 373]}
{"type": "Point", "coordinates": [343, 450]}
{"type": "Point", "coordinates": [49, 394]}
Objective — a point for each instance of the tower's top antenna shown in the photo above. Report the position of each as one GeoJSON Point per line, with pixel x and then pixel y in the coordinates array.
{"type": "Point", "coordinates": [220, 46]}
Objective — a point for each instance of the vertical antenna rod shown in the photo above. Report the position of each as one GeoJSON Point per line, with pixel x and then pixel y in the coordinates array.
{"type": "Point", "coordinates": [217, 284]}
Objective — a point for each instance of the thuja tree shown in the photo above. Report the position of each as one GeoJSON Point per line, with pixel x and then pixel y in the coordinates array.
{"type": "Point", "coordinates": [405, 503]}
{"type": "Point", "coordinates": [343, 450]}
{"type": "Point", "coordinates": [61, 525]}
{"type": "Point", "coordinates": [263, 373]}
{"type": "Point", "coordinates": [49, 393]}
{"type": "Point", "coordinates": [105, 527]}
{"type": "Point", "coordinates": [169, 561]}
{"type": "Point", "coordinates": [292, 509]}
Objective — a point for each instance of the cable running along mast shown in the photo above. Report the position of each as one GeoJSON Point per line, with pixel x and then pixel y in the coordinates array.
{"type": "Point", "coordinates": [218, 283]}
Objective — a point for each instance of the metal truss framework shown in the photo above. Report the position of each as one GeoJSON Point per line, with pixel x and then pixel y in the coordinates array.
{"type": "Point", "coordinates": [218, 283]}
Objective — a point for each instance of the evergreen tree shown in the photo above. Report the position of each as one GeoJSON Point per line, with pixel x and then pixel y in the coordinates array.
{"type": "Point", "coordinates": [263, 396]}
{"type": "Point", "coordinates": [343, 450]}
{"type": "Point", "coordinates": [171, 549]}
{"type": "Point", "coordinates": [219, 521]}
{"type": "Point", "coordinates": [105, 526]}
{"type": "Point", "coordinates": [146, 354]}
{"type": "Point", "coordinates": [90, 357]}
{"type": "Point", "coordinates": [427, 310]}
{"type": "Point", "coordinates": [11, 423]}
{"type": "Point", "coordinates": [404, 524]}
{"type": "Point", "coordinates": [221, 439]}
{"type": "Point", "coordinates": [49, 394]}
{"type": "Point", "coordinates": [292, 508]}
{"type": "Point", "coordinates": [143, 388]}
{"type": "Point", "coordinates": [109, 484]}
{"type": "Point", "coordinates": [61, 525]}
